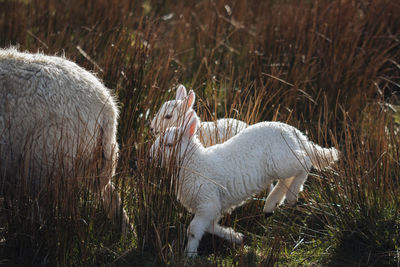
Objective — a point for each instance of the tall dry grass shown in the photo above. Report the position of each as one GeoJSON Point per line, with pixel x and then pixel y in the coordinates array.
{"type": "Point", "coordinates": [330, 68]}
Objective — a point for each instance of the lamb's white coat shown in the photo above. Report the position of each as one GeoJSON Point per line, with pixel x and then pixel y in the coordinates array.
{"type": "Point", "coordinates": [173, 113]}
{"type": "Point", "coordinates": [214, 180]}
{"type": "Point", "coordinates": [50, 110]}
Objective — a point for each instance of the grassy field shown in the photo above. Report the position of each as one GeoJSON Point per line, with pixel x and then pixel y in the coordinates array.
{"type": "Point", "coordinates": [330, 68]}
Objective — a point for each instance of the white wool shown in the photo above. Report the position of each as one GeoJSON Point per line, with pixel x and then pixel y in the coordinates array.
{"type": "Point", "coordinates": [216, 179]}
{"type": "Point", "coordinates": [173, 114]}
{"type": "Point", "coordinates": [53, 109]}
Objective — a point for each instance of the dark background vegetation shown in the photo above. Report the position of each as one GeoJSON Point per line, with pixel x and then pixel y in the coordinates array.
{"type": "Point", "coordinates": [330, 68]}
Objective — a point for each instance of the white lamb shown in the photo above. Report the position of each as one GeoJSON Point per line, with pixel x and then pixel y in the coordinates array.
{"type": "Point", "coordinates": [214, 180]}
{"type": "Point", "coordinates": [56, 114]}
{"type": "Point", "coordinates": [172, 113]}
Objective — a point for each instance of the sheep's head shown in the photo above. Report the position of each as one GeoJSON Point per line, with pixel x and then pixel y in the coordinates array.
{"type": "Point", "coordinates": [172, 113]}
{"type": "Point", "coordinates": [176, 141]}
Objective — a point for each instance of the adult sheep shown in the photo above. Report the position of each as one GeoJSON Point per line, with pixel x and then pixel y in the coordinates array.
{"type": "Point", "coordinates": [54, 115]}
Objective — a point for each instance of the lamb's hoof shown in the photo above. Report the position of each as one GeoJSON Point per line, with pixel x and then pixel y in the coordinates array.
{"type": "Point", "coordinates": [268, 214]}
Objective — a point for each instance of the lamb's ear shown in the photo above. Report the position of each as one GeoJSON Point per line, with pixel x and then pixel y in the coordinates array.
{"type": "Point", "coordinates": [188, 117]}
{"type": "Point", "coordinates": [181, 92]}
{"type": "Point", "coordinates": [191, 127]}
{"type": "Point", "coordinates": [190, 100]}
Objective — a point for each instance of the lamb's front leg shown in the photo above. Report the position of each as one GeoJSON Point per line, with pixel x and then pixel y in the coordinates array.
{"type": "Point", "coordinates": [277, 196]}
{"type": "Point", "coordinates": [200, 223]}
{"type": "Point", "coordinates": [296, 187]}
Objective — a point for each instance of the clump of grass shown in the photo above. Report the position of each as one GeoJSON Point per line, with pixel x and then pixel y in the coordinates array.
{"type": "Point", "coordinates": [47, 208]}
{"type": "Point", "coordinates": [362, 198]}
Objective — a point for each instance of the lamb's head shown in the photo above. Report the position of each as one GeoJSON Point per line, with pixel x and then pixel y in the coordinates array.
{"type": "Point", "coordinates": [176, 142]}
{"type": "Point", "coordinates": [172, 113]}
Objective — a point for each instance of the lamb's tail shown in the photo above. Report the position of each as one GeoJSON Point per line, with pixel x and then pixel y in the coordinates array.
{"type": "Point", "coordinates": [321, 157]}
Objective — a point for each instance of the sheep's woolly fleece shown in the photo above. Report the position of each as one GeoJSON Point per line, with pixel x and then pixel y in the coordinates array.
{"type": "Point", "coordinates": [43, 97]}
{"type": "Point", "coordinates": [52, 111]}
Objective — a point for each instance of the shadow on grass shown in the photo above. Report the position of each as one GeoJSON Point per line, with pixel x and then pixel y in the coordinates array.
{"type": "Point", "coordinates": [368, 242]}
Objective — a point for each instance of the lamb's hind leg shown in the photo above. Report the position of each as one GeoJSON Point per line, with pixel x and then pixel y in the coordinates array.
{"type": "Point", "coordinates": [277, 196]}
{"type": "Point", "coordinates": [226, 233]}
{"type": "Point", "coordinates": [295, 187]}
